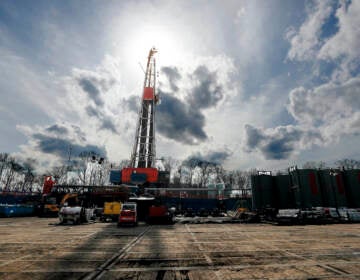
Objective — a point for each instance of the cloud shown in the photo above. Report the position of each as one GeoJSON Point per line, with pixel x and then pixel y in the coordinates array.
{"type": "Point", "coordinates": [276, 143]}
{"type": "Point", "coordinates": [177, 120]}
{"type": "Point", "coordinates": [212, 157]}
{"type": "Point", "coordinates": [207, 92]}
{"type": "Point", "coordinates": [306, 42]}
{"type": "Point", "coordinates": [132, 103]}
{"type": "Point", "coordinates": [173, 75]}
{"type": "Point", "coordinates": [239, 14]}
{"type": "Point", "coordinates": [329, 35]}
{"type": "Point", "coordinates": [217, 157]}
{"type": "Point", "coordinates": [98, 85]}
{"type": "Point", "coordinates": [51, 145]}
{"type": "Point", "coordinates": [344, 46]}
{"type": "Point", "coordinates": [109, 125]}
{"type": "Point", "coordinates": [325, 105]}
{"type": "Point", "coordinates": [58, 129]}
{"type": "Point", "coordinates": [61, 147]}
{"type": "Point", "coordinates": [182, 118]}
{"type": "Point", "coordinates": [185, 95]}
{"type": "Point", "coordinates": [94, 84]}
{"type": "Point", "coordinates": [253, 137]}
{"type": "Point", "coordinates": [92, 90]}
{"type": "Point", "coordinates": [347, 40]}
{"type": "Point", "coordinates": [92, 112]}
{"type": "Point", "coordinates": [323, 114]}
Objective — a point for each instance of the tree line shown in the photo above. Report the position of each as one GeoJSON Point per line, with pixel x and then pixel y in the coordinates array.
{"type": "Point", "coordinates": [89, 168]}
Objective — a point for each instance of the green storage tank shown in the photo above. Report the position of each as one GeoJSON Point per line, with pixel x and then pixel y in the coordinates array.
{"type": "Point", "coordinates": [306, 188]}
{"type": "Point", "coordinates": [283, 196]}
{"type": "Point", "coordinates": [332, 188]}
{"type": "Point", "coordinates": [352, 187]}
{"type": "Point", "coordinates": [262, 191]}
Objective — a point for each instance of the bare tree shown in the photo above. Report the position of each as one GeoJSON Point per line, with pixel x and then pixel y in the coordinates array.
{"type": "Point", "coordinates": [348, 163]}
{"type": "Point", "coordinates": [60, 174]}
{"type": "Point", "coordinates": [11, 171]}
{"type": "Point", "coordinates": [206, 168]}
{"type": "Point", "coordinates": [84, 172]}
{"type": "Point", "coordinates": [3, 163]}
{"type": "Point", "coordinates": [188, 167]}
{"type": "Point", "coordinates": [315, 165]}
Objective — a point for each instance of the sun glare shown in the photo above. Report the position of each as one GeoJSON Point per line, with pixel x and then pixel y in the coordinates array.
{"type": "Point", "coordinates": [168, 44]}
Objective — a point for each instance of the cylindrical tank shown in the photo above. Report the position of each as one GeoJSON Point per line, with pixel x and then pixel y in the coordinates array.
{"type": "Point", "coordinates": [283, 196]}
{"type": "Point", "coordinates": [332, 188]}
{"type": "Point", "coordinates": [352, 187]}
{"type": "Point", "coordinates": [306, 188]}
{"type": "Point", "coordinates": [262, 191]}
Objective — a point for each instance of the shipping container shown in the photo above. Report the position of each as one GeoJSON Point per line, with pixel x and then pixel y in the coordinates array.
{"type": "Point", "coordinates": [352, 187]}
{"type": "Point", "coordinates": [151, 174]}
{"type": "Point", "coordinates": [16, 210]}
{"type": "Point", "coordinates": [115, 177]}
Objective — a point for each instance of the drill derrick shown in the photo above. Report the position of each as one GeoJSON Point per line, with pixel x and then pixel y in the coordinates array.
{"type": "Point", "coordinates": [144, 152]}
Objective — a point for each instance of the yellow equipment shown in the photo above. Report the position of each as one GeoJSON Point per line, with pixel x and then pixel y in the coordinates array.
{"type": "Point", "coordinates": [111, 211]}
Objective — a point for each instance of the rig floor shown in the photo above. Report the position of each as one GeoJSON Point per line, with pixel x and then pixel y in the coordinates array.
{"type": "Point", "coordinates": [39, 248]}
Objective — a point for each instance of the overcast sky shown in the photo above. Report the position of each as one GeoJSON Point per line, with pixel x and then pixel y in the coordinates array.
{"type": "Point", "coordinates": [264, 84]}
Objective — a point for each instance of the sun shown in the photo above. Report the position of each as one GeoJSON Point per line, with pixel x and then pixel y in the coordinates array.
{"type": "Point", "coordinates": [143, 38]}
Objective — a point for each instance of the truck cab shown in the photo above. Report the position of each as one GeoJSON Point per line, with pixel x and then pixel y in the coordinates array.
{"type": "Point", "coordinates": [128, 214]}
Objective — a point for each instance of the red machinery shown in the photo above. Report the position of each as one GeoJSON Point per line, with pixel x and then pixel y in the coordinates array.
{"type": "Point", "coordinates": [48, 184]}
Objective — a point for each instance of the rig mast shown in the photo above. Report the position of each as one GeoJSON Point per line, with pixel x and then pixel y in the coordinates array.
{"type": "Point", "coordinates": [144, 152]}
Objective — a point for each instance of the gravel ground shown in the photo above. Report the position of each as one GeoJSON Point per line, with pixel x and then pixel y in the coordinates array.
{"type": "Point", "coordinates": [39, 248]}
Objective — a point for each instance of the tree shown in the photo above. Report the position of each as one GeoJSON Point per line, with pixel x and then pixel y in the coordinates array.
{"type": "Point", "coordinates": [315, 165]}
{"type": "Point", "coordinates": [348, 163]}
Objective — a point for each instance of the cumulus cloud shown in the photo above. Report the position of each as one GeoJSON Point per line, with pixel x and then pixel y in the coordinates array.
{"type": "Point", "coordinates": [344, 46]}
{"type": "Point", "coordinates": [306, 41]}
{"type": "Point", "coordinates": [177, 120]}
{"type": "Point", "coordinates": [183, 119]}
{"type": "Point", "coordinates": [132, 103]}
{"type": "Point", "coordinates": [94, 84]}
{"type": "Point", "coordinates": [108, 124]}
{"type": "Point", "coordinates": [207, 92]}
{"type": "Point", "coordinates": [326, 112]}
{"type": "Point", "coordinates": [173, 75]}
{"type": "Point", "coordinates": [332, 108]}
{"type": "Point", "coordinates": [97, 86]}
{"type": "Point", "coordinates": [341, 48]}
{"type": "Point", "coordinates": [216, 157]}
{"type": "Point", "coordinates": [273, 144]}
{"type": "Point", "coordinates": [347, 40]}
{"type": "Point", "coordinates": [61, 147]}
{"type": "Point", "coordinates": [185, 96]}
{"type": "Point", "coordinates": [323, 115]}
{"type": "Point", "coordinates": [58, 129]}
{"type": "Point", "coordinates": [52, 144]}
{"type": "Point", "coordinates": [92, 112]}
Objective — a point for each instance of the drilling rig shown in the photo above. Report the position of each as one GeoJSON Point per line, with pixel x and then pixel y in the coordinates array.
{"type": "Point", "coordinates": [142, 168]}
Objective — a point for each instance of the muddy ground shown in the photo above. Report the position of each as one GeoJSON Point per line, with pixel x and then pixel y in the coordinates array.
{"type": "Point", "coordinates": [39, 248]}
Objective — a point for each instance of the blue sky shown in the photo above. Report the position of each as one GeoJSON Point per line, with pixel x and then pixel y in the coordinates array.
{"type": "Point", "coordinates": [259, 84]}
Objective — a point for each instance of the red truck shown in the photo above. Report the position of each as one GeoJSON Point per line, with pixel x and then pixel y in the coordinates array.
{"type": "Point", "coordinates": [160, 214]}
{"type": "Point", "coordinates": [128, 214]}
